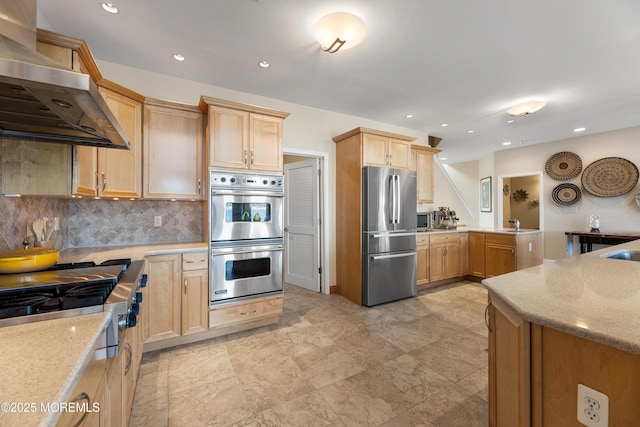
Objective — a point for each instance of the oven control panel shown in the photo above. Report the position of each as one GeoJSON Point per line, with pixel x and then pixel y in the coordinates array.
{"type": "Point", "coordinates": [234, 180]}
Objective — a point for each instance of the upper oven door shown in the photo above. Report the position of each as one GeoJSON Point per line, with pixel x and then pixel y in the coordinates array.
{"type": "Point", "coordinates": [243, 215]}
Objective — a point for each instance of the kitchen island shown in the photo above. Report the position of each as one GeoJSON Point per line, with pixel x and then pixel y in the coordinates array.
{"type": "Point", "coordinates": [42, 366]}
{"type": "Point", "coordinates": [560, 324]}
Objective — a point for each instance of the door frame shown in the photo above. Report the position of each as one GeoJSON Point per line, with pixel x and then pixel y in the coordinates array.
{"type": "Point", "coordinates": [498, 219]}
{"type": "Point", "coordinates": [325, 277]}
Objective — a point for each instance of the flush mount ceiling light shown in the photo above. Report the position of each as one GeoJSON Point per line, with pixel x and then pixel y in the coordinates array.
{"type": "Point", "coordinates": [108, 7]}
{"type": "Point", "coordinates": [178, 57]}
{"type": "Point", "coordinates": [340, 30]}
{"type": "Point", "coordinates": [525, 108]}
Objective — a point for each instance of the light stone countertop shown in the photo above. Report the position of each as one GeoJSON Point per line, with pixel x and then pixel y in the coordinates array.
{"type": "Point", "coordinates": [99, 254]}
{"type": "Point", "coordinates": [586, 295]}
{"type": "Point", "coordinates": [509, 231]}
{"type": "Point", "coordinates": [41, 362]}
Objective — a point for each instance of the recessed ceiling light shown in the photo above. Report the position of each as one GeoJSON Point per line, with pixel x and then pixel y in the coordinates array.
{"type": "Point", "coordinates": [510, 121]}
{"type": "Point", "coordinates": [178, 57]}
{"type": "Point", "coordinates": [506, 143]}
{"type": "Point", "coordinates": [443, 158]}
{"type": "Point", "coordinates": [579, 129]}
{"type": "Point", "coordinates": [470, 131]}
{"type": "Point", "coordinates": [444, 125]}
{"type": "Point", "coordinates": [264, 64]}
{"type": "Point", "coordinates": [108, 7]}
{"type": "Point", "coordinates": [408, 116]}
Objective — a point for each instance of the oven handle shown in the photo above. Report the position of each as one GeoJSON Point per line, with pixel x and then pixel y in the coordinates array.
{"type": "Point", "coordinates": [245, 250]}
{"type": "Point", "coordinates": [246, 193]}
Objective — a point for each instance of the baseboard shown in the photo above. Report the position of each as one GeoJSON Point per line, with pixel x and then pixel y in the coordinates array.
{"type": "Point", "coordinates": [333, 289]}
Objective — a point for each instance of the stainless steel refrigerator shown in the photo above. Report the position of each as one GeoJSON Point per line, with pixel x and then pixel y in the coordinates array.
{"type": "Point", "coordinates": [388, 235]}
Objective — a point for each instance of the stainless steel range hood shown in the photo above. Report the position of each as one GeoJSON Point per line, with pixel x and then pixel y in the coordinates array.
{"type": "Point", "coordinates": [40, 100]}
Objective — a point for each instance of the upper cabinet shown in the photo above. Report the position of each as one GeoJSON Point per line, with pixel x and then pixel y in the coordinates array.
{"type": "Point", "coordinates": [241, 136]}
{"type": "Point", "coordinates": [422, 162]}
{"type": "Point", "coordinates": [385, 150]}
{"type": "Point", "coordinates": [108, 172]}
{"type": "Point", "coordinates": [173, 151]}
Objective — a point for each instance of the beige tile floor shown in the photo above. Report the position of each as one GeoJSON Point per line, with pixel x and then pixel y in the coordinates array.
{"type": "Point", "coordinates": [329, 362]}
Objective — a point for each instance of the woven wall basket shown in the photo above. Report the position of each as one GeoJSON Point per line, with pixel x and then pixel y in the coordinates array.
{"type": "Point", "coordinates": [610, 177]}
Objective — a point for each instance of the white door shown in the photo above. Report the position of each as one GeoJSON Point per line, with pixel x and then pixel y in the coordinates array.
{"type": "Point", "coordinates": [302, 224]}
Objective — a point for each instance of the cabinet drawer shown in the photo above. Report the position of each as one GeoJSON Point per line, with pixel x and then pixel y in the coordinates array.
{"type": "Point", "coordinates": [422, 239]}
{"type": "Point", "coordinates": [443, 238]}
{"type": "Point", "coordinates": [500, 239]}
{"type": "Point", "coordinates": [195, 261]}
{"type": "Point", "coordinates": [237, 313]}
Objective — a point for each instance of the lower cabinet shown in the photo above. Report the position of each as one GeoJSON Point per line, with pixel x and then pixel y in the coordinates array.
{"type": "Point", "coordinates": [422, 263]}
{"type": "Point", "coordinates": [509, 367]}
{"type": "Point", "coordinates": [443, 256]}
{"type": "Point", "coordinates": [463, 254]}
{"type": "Point", "coordinates": [178, 295]}
{"type": "Point", "coordinates": [500, 254]}
{"type": "Point", "coordinates": [476, 254]}
{"type": "Point", "coordinates": [237, 313]}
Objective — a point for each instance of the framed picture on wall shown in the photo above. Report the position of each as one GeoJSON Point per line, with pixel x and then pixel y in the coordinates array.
{"type": "Point", "coordinates": [485, 194]}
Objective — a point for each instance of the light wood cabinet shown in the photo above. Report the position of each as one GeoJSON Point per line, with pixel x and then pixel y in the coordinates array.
{"type": "Point", "coordinates": [236, 313]}
{"type": "Point", "coordinates": [443, 256]}
{"type": "Point", "coordinates": [178, 295]}
{"type": "Point", "coordinates": [173, 145]}
{"type": "Point", "coordinates": [422, 161]}
{"type": "Point", "coordinates": [109, 172]}
{"type": "Point", "coordinates": [422, 262]}
{"type": "Point", "coordinates": [463, 254]}
{"type": "Point", "coordinates": [509, 367]}
{"type": "Point", "coordinates": [385, 151]}
{"type": "Point", "coordinates": [350, 159]}
{"type": "Point", "coordinates": [241, 136]}
{"type": "Point", "coordinates": [164, 296]}
{"type": "Point", "coordinates": [476, 254]}
{"type": "Point", "coordinates": [507, 253]}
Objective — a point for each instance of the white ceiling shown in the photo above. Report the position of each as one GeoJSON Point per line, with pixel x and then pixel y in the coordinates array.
{"type": "Point", "coordinates": [460, 62]}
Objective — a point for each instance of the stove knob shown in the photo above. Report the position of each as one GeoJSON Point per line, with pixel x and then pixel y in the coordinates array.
{"type": "Point", "coordinates": [265, 182]}
{"type": "Point", "coordinates": [223, 179]}
{"type": "Point", "coordinates": [143, 281]}
{"type": "Point", "coordinates": [233, 180]}
{"type": "Point", "coordinates": [135, 309]}
{"type": "Point", "coordinates": [131, 320]}
{"type": "Point", "coordinates": [273, 182]}
{"type": "Point", "coordinates": [138, 297]}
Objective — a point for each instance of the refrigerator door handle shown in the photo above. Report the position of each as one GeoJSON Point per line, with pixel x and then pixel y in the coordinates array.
{"type": "Point", "coordinates": [377, 257]}
{"type": "Point", "coordinates": [379, 235]}
{"type": "Point", "coordinates": [392, 191]}
{"type": "Point", "coordinates": [398, 204]}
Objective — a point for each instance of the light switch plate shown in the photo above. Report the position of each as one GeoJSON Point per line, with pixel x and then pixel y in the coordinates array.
{"type": "Point", "coordinates": [157, 221]}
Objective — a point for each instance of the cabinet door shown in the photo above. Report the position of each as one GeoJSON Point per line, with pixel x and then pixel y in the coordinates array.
{"type": "Point", "coordinates": [195, 301]}
{"type": "Point", "coordinates": [172, 153]}
{"type": "Point", "coordinates": [451, 261]}
{"type": "Point", "coordinates": [113, 392]}
{"type": "Point", "coordinates": [422, 264]}
{"type": "Point", "coordinates": [228, 138]}
{"type": "Point", "coordinates": [476, 254]}
{"type": "Point", "coordinates": [129, 372]}
{"type": "Point", "coordinates": [499, 259]}
{"type": "Point", "coordinates": [85, 171]}
{"type": "Point", "coordinates": [375, 150]}
{"type": "Point", "coordinates": [509, 368]}
{"type": "Point", "coordinates": [266, 143]}
{"type": "Point", "coordinates": [463, 254]}
{"type": "Point", "coordinates": [399, 153]}
{"type": "Point", "coordinates": [120, 171]}
{"type": "Point", "coordinates": [424, 175]}
{"type": "Point", "coordinates": [436, 262]}
{"type": "Point", "coordinates": [164, 293]}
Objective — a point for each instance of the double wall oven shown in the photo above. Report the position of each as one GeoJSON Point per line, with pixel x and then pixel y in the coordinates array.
{"type": "Point", "coordinates": [246, 227]}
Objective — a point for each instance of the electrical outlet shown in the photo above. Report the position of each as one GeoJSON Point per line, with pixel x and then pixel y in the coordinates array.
{"type": "Point", "coordinates": [593, 407]}
{"type": "Point", "coordinates": [157, 221]}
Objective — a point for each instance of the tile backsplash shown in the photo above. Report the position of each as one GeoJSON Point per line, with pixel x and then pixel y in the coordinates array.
{"type": "Point", "coordinates": [88, 222]}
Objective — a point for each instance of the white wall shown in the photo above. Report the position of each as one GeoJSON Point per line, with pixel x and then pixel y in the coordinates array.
{"type": "Point", "coordinates": [465, 178]}
{"type": "Point", "coordinates": [306, 128]}
{"type": "Point", "coordinates": [616, 213]}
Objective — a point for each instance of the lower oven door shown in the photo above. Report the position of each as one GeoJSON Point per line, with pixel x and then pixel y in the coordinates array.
{"type": "Point", "coordinates": [241, 271]}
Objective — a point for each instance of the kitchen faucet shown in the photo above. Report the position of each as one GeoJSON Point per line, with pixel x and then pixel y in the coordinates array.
{"type": "Point", "coordinates": [516, 223]}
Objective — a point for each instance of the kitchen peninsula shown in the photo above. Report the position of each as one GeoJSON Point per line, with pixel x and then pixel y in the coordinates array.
{"type": "Point", "coordinates": [560, 324]}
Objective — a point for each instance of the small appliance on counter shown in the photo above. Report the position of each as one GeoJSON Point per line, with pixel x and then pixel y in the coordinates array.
{"type": "Point", "coordinates": [444, 218]}
{"type": "Point", "coordinates": [425, 220]}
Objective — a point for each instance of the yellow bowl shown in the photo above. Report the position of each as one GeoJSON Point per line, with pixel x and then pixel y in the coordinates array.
{"type": "Point", "coordinates": [27, 260]}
